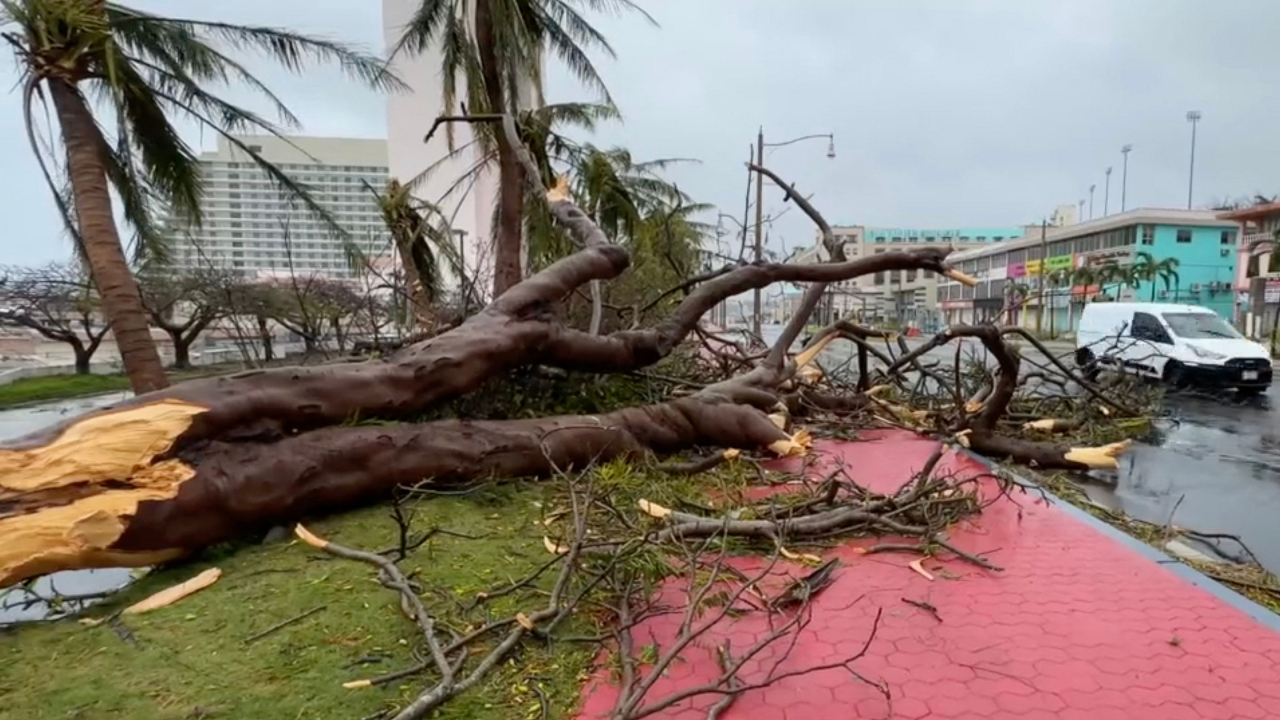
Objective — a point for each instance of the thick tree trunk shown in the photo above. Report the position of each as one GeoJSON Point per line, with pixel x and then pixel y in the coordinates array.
{"type": "Point", "coordinates": [181, 350]}
{"type": "Point", "coordinates": [83, 357]}
{"type": "Point", "coordinates": [264, 334]}
{"type": "Point", "coordinates": [121, 301]}
{"type": "Point", "coordinates": [506, 251]}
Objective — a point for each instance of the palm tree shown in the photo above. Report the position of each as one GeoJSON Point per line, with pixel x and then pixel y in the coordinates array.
{"type": "Point", "coordinates": [407, 223]}
{"type": "Point", "coordinates": [1143, 269]}
{"type": "Point", "coordinates": [1056, 279]}
{"type": "Point", "coordinates": [1015, 293]}
{"type": "Point", "coordinates": [138, 71]}
{"type": "Point", "coordinates": [496, 47]}
{"type": "Point", "coordinates": [1167, 271]}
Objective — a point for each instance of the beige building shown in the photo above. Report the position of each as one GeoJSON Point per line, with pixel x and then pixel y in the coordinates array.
{"type": "Point", "coordinates": [903, 296]}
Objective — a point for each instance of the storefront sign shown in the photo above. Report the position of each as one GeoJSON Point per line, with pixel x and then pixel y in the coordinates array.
{"type": "Point", "coordinates": [997, 273]}
{"type": "Point", "coordinates": [1060, 262]}
{"type": "Point", "coordinates": [1033, 267]}
{"type": "Point", "coordinates": [1271, 293]}
{"type": "Point", "coordinates": [1017, 270]}
{"type": "Point", "coordinates": [956, 304]}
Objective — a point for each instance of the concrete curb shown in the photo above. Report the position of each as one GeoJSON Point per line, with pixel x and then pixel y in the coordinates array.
{"type": "Point", "coordinates": [1224, 593]}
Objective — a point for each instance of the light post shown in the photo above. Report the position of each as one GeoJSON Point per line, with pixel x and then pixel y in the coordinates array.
{"type": "Point", "coordinates": [1193, 117]}
{"type": "Point", "coordinates": [1091, 189]}
{"type": "Point", "coordinates": [1124, 178]}
{"type": "Point", "coordinates": [759, 253]}
{"type": "Point", "coordinates": [1106, 200]}
{"type": "Point", "coordinates": [1080, 217]}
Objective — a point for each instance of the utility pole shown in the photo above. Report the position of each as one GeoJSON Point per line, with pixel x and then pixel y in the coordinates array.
{"type": "Point", "coordinates": [755, 315]}
{"type": "Point", "coordinates": [1193, 117]}
{"type": "Point", "coordinates": [1091, 189]}
{"type": "Point", "coordinates": [1124, 178]}
{"type": "Point", "coordinates": [1106, 200]}
{"type": "Point", "coordinates": [1044, 254]}
{"type": "Point", "coordinates": [1080, 216]}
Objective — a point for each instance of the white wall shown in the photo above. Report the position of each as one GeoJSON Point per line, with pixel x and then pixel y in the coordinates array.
{"type": "Point", "coordinates": [409, 117]}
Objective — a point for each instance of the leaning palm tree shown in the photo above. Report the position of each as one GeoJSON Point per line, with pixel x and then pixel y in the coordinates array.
{"type": "Point", "coordinates": [496, 49]}
{"type": "Point", "coordinates": [408, 225]}
{"type": "Point", "coordinates": [104, 65]}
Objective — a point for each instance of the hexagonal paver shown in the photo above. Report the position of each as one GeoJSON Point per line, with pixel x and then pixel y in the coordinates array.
{"type": "Point", "coordinates": [1075, 626]}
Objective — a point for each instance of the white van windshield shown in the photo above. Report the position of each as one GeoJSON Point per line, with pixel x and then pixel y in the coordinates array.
{"type": "Point", "coordinates": [1200, 326]}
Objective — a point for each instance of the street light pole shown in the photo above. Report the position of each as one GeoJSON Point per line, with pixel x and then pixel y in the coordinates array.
{"type": "Point", "coordinates": [759, 254]}
{"type": "Point", "coordinates": [1124, 178]}
{"type": "Point", "coordinates": [1080, 217]}
{"type": "Point", "coordinates": [1106, 200]}
{"type": "Point", "coordinates": [1193, 117]}
{"type": "Point", "coordinates": [1044, 252]}
{"type": "Point", "coordinates": [1091, 189]}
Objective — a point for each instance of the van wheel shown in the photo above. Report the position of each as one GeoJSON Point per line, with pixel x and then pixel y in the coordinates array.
{"type": "Point", "coordinates": [1175, 375]}
{"type": "Point", "coordinates": [1088, 364]}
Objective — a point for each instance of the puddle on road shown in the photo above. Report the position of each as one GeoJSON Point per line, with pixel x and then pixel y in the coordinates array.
{"type": "Point", "coordinates": [1217, 461]}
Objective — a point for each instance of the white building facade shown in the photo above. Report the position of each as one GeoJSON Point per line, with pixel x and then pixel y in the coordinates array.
{"type": "Point", "coordinates": [255, 229]}
{"type": "Point", "coordinates": [467, 207]}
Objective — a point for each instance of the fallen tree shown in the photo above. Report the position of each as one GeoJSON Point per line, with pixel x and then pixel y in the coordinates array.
{"type": "Point", "coordinates": [166, 473]}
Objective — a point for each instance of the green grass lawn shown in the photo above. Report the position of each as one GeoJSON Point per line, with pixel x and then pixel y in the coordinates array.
{"type": "Point", "coordinates": [191, 660]}
{"type": "Point", "coordinates": [54, 387]}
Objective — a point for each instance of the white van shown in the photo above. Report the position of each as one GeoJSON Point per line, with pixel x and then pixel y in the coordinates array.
{"type": "Point", "coordinates": [1180, 344]}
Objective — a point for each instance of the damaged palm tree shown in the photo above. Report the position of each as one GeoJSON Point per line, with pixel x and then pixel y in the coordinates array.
{"type": "Point", "coordinates": [169, 472]}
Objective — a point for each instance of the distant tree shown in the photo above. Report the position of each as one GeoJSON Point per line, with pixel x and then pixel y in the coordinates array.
{"type": "Point", "coordinates": [102, 65]}
{"type": "Point", "coordinates": [184, 305]}
{"type": "Point", "coordinates": [58, 301]}
{"type": "Point", "coordinates": [1015, 293]}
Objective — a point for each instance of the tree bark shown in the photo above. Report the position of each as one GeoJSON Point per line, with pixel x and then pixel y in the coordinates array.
{"type": "Point", "coordinates": [121, 300]}
{"type": "Point", "coordinates": [181, 350]}
{"type": "Point", "coordinates": [506, 251]}
{"type": "Point", "coordinates": [264, 334]}
{"type": "Point", "coordinates": [83, 356]}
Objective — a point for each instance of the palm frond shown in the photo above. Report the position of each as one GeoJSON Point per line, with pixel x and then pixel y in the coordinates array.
{"type": "Point", "coordinates": [294, 51]}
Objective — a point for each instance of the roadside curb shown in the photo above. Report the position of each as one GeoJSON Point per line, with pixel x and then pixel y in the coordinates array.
{"type": "Point", "coordinates": [1255, 611]}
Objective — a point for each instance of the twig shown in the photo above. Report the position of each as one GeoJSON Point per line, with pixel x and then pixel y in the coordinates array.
{"type": "Point", "coordinates": [283, 624]}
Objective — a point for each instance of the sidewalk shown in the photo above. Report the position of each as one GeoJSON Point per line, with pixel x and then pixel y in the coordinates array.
{"type": "Point", "coordinates": [1081, 624]}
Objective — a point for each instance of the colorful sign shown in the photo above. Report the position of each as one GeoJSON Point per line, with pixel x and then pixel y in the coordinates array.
{"type": "Point", "coordinates": [956, 304]}
{"type": "Point", "coordinates": [1060, 262]}
{"type": "Point", "coordinates": [1017, 270]}
{"type": "Point", "coordinates": [1033, 267]}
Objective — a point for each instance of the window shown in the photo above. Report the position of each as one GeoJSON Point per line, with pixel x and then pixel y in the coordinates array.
{"type": "Point", "coordinates": [911, 275]}
{"type": "Point", "coordinates": [1184, 236]}
{"type": "Point", "coordinates": [1148, 234]}
{"type": "Point", "coordinates": [255, 148]}
{"type": "Point", "coordinates": [1197, 326]}
{"type": "Point", "coordinates": [997, 238]}
{"type": "Point", "coordinates": [1147, 327]}
{"type": "Point", "coordinates": [982, 238]}
{"type": "Point", "coordinates": [1228, 237]}
{"type": "Point", "coordinates": [879, 278]}
{"type": "Point", "coordinates": [895, 276]}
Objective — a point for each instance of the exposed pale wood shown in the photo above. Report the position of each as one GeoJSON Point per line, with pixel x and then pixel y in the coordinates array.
{"type": "Point", "coordinates": [1100, 458]}
{"type": "Point", "coordinates": [171, 595]}
{"type": "Point", "coordinates": [109, 446]}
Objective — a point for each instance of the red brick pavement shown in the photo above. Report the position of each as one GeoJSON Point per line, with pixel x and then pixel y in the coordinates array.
{"type": "Point", "coordinates": [1078, 626]}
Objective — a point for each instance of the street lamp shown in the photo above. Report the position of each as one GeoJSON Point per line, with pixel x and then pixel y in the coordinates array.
{"type": "Point", "coordinates": [1091, 189]}
{"type": "Point", "coordinates": [1124, 178]}
{"type": "Point", "coordinates": [1193, 117]}
{"type": "Point", "coordinates": [1080, 216]}
{"type": "Point", "coordinates": [759, 254]}
{"type": "Point", "coordinates": [1106, 200]}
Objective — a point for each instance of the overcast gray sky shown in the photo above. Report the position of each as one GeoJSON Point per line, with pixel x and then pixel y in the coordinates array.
{"type": "Point", "coordinates": [945, 112]}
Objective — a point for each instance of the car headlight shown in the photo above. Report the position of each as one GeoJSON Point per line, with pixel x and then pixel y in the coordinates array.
{"type": "Point", "coordinates": [1206, 354]}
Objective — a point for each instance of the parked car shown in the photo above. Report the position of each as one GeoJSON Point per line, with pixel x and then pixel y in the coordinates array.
{"type": "Point", "coordinates": [1180, 344]}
